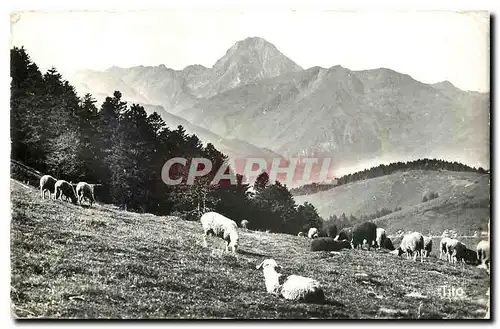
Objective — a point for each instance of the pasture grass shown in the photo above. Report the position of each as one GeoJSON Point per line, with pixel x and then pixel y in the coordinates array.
{"type": "Point", "coordinates": [68, 261]}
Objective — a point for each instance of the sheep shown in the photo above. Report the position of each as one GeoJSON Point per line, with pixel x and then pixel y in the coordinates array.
{"type": "Point", "coordinates": [47, 183]}
{"type": "Point", "coordinates": [301, 234]}
{"type": "Point", "coordinates": [344, 234]}
{"type": "Point", "coordinates": [244, 224]}
{"type": "Point", "coordinates": [427, 246]}
{"type": "Point", "coordinates": [63, 188]}
{"type": "Point", "coordinates": [483, 253]}
{"type": "Point", "coordinates": [85, 190]}
{"type": "Point", "coordinates": [329, 244]}
{"type": "Point", "coordinates": [366, 230]}
{"type": "Point", "coordinates": [381, 237]}
{"type": "Point", "coordinates": [443, 250]}
{"type": "Point", "coordinates": [456, 251]}
{"type": "Point", "coordinates": [293, 287]}
{"type": "Point", "coordinates": [222, 227]}
{"type": "Point", "coordinates": [387, 244]}
{"type": "Point", "coordinates": [412, 244]}
{"type": "Point", "coordinates": [313, 233]}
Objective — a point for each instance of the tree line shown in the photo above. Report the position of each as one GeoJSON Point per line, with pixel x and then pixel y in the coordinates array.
{"type": "Point", "coordinates": [383, 170]}
{"type": "Point", "coordinates": [123, 148]}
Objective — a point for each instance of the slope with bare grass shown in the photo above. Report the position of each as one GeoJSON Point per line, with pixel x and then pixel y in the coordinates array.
{"type": "Point", "coordinates": [68, 261]}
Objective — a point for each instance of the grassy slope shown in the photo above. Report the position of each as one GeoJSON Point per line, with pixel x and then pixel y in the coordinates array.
{"type": "Point", "coordinates": [463, 201]}
{"type": "Point", "coordinates": [70, 261]}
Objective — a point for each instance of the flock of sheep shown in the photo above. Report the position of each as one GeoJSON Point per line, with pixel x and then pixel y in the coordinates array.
{"type": "Point", "coordinates": [299, 288]}
{"type": "Point", "coordinates": [61, 189]}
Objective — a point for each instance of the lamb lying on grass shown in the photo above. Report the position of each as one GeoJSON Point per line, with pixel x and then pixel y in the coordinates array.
{"type": "Point", "coordinates": [293, 287]}
{"type": "Point", "coordinates": [222, 227]}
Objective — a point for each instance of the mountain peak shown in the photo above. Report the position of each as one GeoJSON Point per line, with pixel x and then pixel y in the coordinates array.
{"type": "Point", "coordinates": [444, 85]}
{"type": "Point", "coordinates": [247, 61]}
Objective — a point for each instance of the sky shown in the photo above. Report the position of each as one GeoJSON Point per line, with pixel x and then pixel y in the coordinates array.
{"type": "Point", "coordinates": [430, 46]}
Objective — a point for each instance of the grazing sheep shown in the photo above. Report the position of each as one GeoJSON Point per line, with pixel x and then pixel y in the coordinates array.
{"type": "Point", "coordinates": [427, 246]}
{"type": "Point", "coordinates": [293, 287]}
{"type": "Point", "coordinates": [381, 237]}
{"type": "Point", "coordinates": [63, 188]}
{"type": "Point", "coordinates": [85, 190]}
{"type": "Point", "coordinates": [331, 231]}
{"type": "Point", "coordinates": [301, 234]}
{"type": "Point", "coordinates": [47, 183]}
{"type": "Point", "coordinates": [313, 233]}
{"type": "Point", "coordinates": [443, 250]}
{"type": "Point", "coordinates": [456, 251]}
{"type": "Point", "coordinates": [483, 253]}
{"type": "Point", "coordinates": [344, 234]}
{"type": "Point", "coordinates": [412, 244]}
{"type": "Point", "coordinates": [487, 315]}
{"type": "Point", "coordinates": [244, 224]}
{"type": "Point", "coordinates": [387, 244]}
{"type": "Point", "coordinates": [471, 257]}
{"type": "Point", "coordinates": [329, 244]}
{"type": "Point", "coordinates": [366, 230]}
{"type": "Point", "coordinates": [222, 227]}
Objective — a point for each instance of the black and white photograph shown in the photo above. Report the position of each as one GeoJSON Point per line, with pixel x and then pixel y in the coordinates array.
{"type": "Point", "coordinates": [250, 164]}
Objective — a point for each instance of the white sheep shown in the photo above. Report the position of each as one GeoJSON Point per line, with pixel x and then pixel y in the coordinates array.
{"type": "Point", "coordinates": [412, 244]}
{"type": "Point", "coordinates": [47, 183]}
{"type": "Point", "coordinates": [293, 287]}
{"type": "Point", "coordinates": [85, 190]}
{"type": "Point", "coordinates": [456, 251]}
{"type": "Point", "coordinates": [244, 224]}
{"type": "Point", "coordinates": [63, 188]}
{"type": "Point", "coordinates": [487, 315]}
{"type": "Point", "coordinates": [301, 234]}
{"type": "Point", "coordinates": [313, 233]}
{"type": "Point", "coordinates": [222, 227]}
{"type": "Point", "coordinates": [381, 237]}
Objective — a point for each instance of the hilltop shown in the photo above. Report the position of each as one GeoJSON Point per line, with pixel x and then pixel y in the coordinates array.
{"type": "Point", "coordinates": [75, 262]}
{"type": "Point", "coordinates": [463, 203]}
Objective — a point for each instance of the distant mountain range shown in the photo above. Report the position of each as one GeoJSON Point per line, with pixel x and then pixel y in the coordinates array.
{"type": "Point", "coordinates": [257, 97]}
